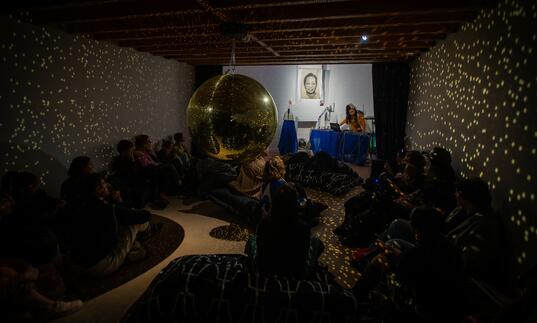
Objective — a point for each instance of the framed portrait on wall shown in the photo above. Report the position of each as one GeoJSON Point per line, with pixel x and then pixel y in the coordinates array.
{"type": "Point", "coordinates": [310, 82]}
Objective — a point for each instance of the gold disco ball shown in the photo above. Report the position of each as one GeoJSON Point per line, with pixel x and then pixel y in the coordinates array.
{"type": "Point", "coordinates": [232, 117]}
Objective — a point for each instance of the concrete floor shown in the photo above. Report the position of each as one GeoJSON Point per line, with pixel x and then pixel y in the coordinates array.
{"type": "Point", "coordinates": [110, 307]}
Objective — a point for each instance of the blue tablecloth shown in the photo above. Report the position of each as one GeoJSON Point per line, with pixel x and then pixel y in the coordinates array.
{"type": "Point", "coordinates": [288, 138]}
{"type": "Point", "coordinates": [325, 140]}
{"type": "Point", "coordinates": [345, 146]}
{"type": "Point", "coordinates": [354, 147]}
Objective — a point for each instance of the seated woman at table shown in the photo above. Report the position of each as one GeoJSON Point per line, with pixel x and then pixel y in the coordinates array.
{"type": "Point", "coordinates": [354, 119]}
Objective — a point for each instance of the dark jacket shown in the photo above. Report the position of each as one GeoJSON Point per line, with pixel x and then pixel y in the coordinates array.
{"type": "Point", "coordinates": [282, 248]}
{"type": "Point", "coordinates": [434, 272]}
{"type": "Point", "coordinates": [97, 226]}
{"type": "Point", "coordinates": [480, 239]}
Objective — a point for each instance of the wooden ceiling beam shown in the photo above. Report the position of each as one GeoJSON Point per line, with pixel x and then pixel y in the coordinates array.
{"type": "Point", "coordinates": [295, 62]}
{"type": "Point", "coordinates": [268, 57]}
{"type": "Point", "coordinates": [254, 49]}
{"type": "Point", "coordinates": [170, 26]}
{"type": "Point", "coordinates": [114, 10]}
{"type": "Point", "coordinates": [301, 42]}
{"type": "Point", "coordinates": [321, 10]}
{"type": "Point", "coordinates": [192, 38]}
{"type": "Point", "coordinates": [277, 12]}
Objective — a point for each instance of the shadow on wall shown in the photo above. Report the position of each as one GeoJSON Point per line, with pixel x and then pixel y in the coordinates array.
{"type": "Point", "coordinates": [51, 171]}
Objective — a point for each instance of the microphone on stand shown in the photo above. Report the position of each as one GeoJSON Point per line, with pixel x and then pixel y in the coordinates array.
{"type": "Point", "coordinates": [327, 109]}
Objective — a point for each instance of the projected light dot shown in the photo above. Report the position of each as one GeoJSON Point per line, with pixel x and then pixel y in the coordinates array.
{"type": "Point", "coordinates": [480, 86]}
{"type": "Point", "coordinates": [80, 96]}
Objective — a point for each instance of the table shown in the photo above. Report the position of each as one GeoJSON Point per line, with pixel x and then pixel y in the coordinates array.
{"type": "Point", "coordinates": [345, 146]}
{"type": "Point", "coordinates": [354, 147]}
{"type": "Point", "coordinates": [288, 139]}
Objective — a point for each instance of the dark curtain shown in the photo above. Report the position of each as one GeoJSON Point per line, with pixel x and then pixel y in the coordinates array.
{"type": "Point", "coordinates": [390, 95]}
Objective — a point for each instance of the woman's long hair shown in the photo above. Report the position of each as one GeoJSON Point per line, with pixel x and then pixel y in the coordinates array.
{"type": "Point", "coordinates": [274, 169]}
{"type": "Point", "coordinates": [348, 116]}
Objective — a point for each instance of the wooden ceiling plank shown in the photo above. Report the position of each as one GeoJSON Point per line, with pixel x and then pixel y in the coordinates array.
{"type": "Point", "coordinates": [192, 38]}
{"type": "Point", "coordinates": [116, 10]}
{"type": "Point", "coordinates": [294, 12]}
{"type": "Point", "coordinates": [301, 42]}
{"type": "Point", "coordinates": [169, 26]}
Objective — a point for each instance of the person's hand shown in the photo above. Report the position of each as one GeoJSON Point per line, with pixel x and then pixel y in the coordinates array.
{"type": "Point", "coordinates": [402, 201]}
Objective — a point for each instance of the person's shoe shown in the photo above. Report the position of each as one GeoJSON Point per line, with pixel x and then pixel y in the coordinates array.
{"type": "Point", "coordinates": [60, 308]}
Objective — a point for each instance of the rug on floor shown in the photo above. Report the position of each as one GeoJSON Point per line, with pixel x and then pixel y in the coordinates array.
{"type": "Point", "coordinates": [158, 248]}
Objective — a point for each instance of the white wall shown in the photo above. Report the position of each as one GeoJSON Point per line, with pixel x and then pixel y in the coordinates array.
{"type": "Point", "coordinates": [346, 84]}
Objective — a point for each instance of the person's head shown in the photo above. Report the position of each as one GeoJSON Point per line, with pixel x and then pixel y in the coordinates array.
{"type": "Point", "coordinates": [350, 111]}
{"type": "Point", "coordinates": [439, 165]}
{"type": "Point", "coordinates": [410, 172]}
{"type": "Point", "coordinates": [414, 158]}
{"type": "Point", "coordinates": [361, 114]}
{"type": "Point", "coordinates": [80, 166]}
{"type": "Point", "coordinates": [310, 83]}
{"type": "Point", "coordinates": [473, 195]}
{"type": "Point", "coordinates": [125, 147]}
{"type": "Point", "coordinates": [274, 169]}
{"type": "Point", "coordinates": [285, 204]}
{"type": "Point", "coordinates": [178, 137]}
{"type": "Point", "coordinates": [94, 187]}
{"type": "Point", "coordinates": [440, 157]}
{"type": "Point", "coordinates": [142, 142]}
{"type": "Point", "coordinates": [427, 223]}
{"type": "Point", "coordinates": [167, 145]}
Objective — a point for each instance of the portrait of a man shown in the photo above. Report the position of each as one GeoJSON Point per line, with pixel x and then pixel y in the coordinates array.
{"type": "Point", "coordinates": [310, 81]}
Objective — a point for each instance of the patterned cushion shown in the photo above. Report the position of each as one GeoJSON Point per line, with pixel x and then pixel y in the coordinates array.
{"type": "Point", "coordinates": [335, 182]}
{"type": "Point", "coordinates": [221, 288]}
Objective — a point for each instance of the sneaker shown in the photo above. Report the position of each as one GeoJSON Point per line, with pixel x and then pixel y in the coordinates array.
{"type": "Point", "coordinates": [60, 308]}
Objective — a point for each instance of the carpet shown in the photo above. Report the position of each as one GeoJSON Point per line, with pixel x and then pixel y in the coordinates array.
{"type": "Point", "coordinates": [158, 248]}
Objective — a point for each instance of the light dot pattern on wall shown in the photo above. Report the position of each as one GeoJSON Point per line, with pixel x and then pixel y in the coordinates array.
{"type": "Point", "coordinates": [475, 94]}
{"type": "Point", "coordinates": [65, 95]}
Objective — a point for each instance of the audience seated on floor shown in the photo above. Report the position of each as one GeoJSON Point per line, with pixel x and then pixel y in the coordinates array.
{"type": "Point", "coordinates": [370, 213]}
{"type": "Point", "coordinates": [426, 261]}
{"type": "Point", "coordinates": [20, 298]}
{"type": "Point", "coordinates": [70, 190]}
{"type": "Point", "coordinates": [30, 283]}
{"type": "Point", "coordinates": [165, 175]}
{"type": "Point", "coordinates": [250, 177]}
{"type": "Point", "coordinates": [181, 152]}
{"type": "Point", "coordinates": [123, 173]}
{"type": "Point", "coordinates": [479, 235]}
{"type": "Point", "coordinates": [273, 179]}
{"type": "Point", "coordinates": [105, 234]}
{"type": "Point", "coordinates": [427, 275]}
